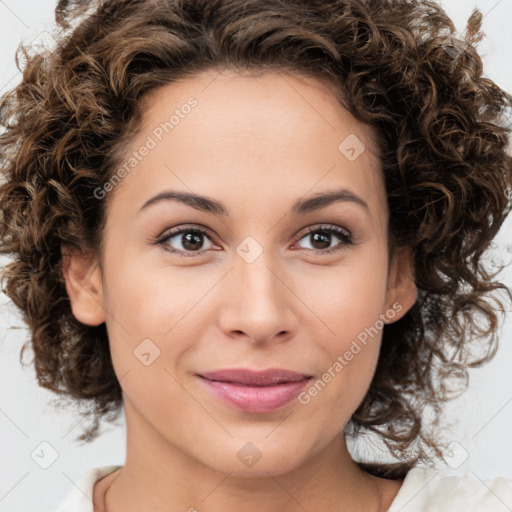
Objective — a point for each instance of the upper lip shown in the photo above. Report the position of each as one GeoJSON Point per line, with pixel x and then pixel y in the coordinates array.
{"type": "Point", "coordinates": [254, 377]}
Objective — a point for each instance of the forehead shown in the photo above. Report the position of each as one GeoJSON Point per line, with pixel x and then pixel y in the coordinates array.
{"type": "Point", "coordinates": [217, 132]}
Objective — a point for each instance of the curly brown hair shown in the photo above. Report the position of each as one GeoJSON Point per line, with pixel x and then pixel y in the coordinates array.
{"type": "Point", "coordinates": [397, 65]}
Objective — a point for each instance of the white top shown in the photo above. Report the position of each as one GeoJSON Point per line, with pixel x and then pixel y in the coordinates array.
{"type": "Point", "coordinates": [423, 490]}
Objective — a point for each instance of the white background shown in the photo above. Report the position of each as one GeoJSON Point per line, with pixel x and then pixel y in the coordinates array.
{"type": "Point", "coordinates": [27, 419]}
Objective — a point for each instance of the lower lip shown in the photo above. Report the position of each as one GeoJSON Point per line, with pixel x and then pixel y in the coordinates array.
{"type": "Point", "coordinates": [255, 398]}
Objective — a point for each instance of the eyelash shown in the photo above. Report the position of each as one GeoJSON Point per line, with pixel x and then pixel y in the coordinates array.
{"type": "Point", "coordinates": [343, 234]}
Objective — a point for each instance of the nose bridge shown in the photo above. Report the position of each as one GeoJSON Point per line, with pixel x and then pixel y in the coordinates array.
{"type": "Point", "coordinates": [258, 303]}
{"type": "Point", "coordinates": [259, 286]}
{"type": "Point", "coordinates": [257, 278]}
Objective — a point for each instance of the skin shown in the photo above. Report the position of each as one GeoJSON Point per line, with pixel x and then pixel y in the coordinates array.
{"type": "Point", "coordinates": [256, 144]}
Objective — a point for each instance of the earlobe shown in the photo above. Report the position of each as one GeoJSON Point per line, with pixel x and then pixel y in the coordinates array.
{"type": "Point", "coordinates": [82, 275]}
{"type": "Point", "coordinates": [401, 285]}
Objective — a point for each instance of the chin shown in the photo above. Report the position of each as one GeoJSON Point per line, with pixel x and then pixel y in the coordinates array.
{"type": "Point", "coordinates": [257, 460]}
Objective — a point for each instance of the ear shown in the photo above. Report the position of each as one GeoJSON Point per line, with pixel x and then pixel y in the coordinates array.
{"type": "Point", "coordinates": [402, 292]}
{"type": "Point", "coordinates": [82, 275]}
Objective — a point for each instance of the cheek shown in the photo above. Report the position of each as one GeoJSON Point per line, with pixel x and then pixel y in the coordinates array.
{"type": "Point", "coordinates": [148, 335]}
{"type": "Point", "coordinates": [148, 298]}
{"type": "Point", "coordinates": [143, 315]}
{"type": "Point", "coordinates": [349, 308]}
{"type": "Point", "coordinates": [349, 298]}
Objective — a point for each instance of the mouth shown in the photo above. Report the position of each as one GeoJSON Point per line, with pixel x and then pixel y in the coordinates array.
{"type": "Point", "coordinates": [248, 377]}
{"type": "Point", "coordinates": [256, 392]}
{"type": "Point", "coordinates": [256, 385]}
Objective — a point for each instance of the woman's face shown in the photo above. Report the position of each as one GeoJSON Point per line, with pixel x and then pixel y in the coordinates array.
{"type": "Point", "coordinates": [256, 291]}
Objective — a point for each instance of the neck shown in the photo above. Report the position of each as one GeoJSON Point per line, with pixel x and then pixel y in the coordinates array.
{"type": "Point", "coordinates": [157, 475]}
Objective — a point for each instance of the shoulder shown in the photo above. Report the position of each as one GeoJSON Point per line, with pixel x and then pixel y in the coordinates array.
{"type": "Point", "coordinates": [431, 490]}
{"type": "Point", "coordinates": [79, 498]}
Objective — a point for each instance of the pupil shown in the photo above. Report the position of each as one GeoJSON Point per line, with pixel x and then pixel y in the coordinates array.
{"type": "Point", "coordinates": [317, 237]}
{"type": "Point", "coordinates": [190, 238]}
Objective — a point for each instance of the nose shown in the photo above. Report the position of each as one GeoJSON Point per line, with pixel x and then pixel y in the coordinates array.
{"type": "Point", "coordinates": [258, 304]}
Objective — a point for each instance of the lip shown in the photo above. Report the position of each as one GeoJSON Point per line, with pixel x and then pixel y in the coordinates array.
{"type": "Point", "coordinates": [255, 377]}
{"type": "Point", "coordinates": [255, 391]}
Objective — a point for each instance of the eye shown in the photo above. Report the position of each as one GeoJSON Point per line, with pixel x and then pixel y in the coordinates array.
{"type": "Point", "coordinates": [187, 241]}
{"type": "Point", "coordinates": [322, 237]}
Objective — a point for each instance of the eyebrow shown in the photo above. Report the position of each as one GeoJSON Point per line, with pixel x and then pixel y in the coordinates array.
{"type": "Point", "coordinates": [300, 207]}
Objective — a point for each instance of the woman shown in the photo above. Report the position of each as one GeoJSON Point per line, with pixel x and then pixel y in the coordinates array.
{"type": "Point", "coordinates": [258, 228]}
